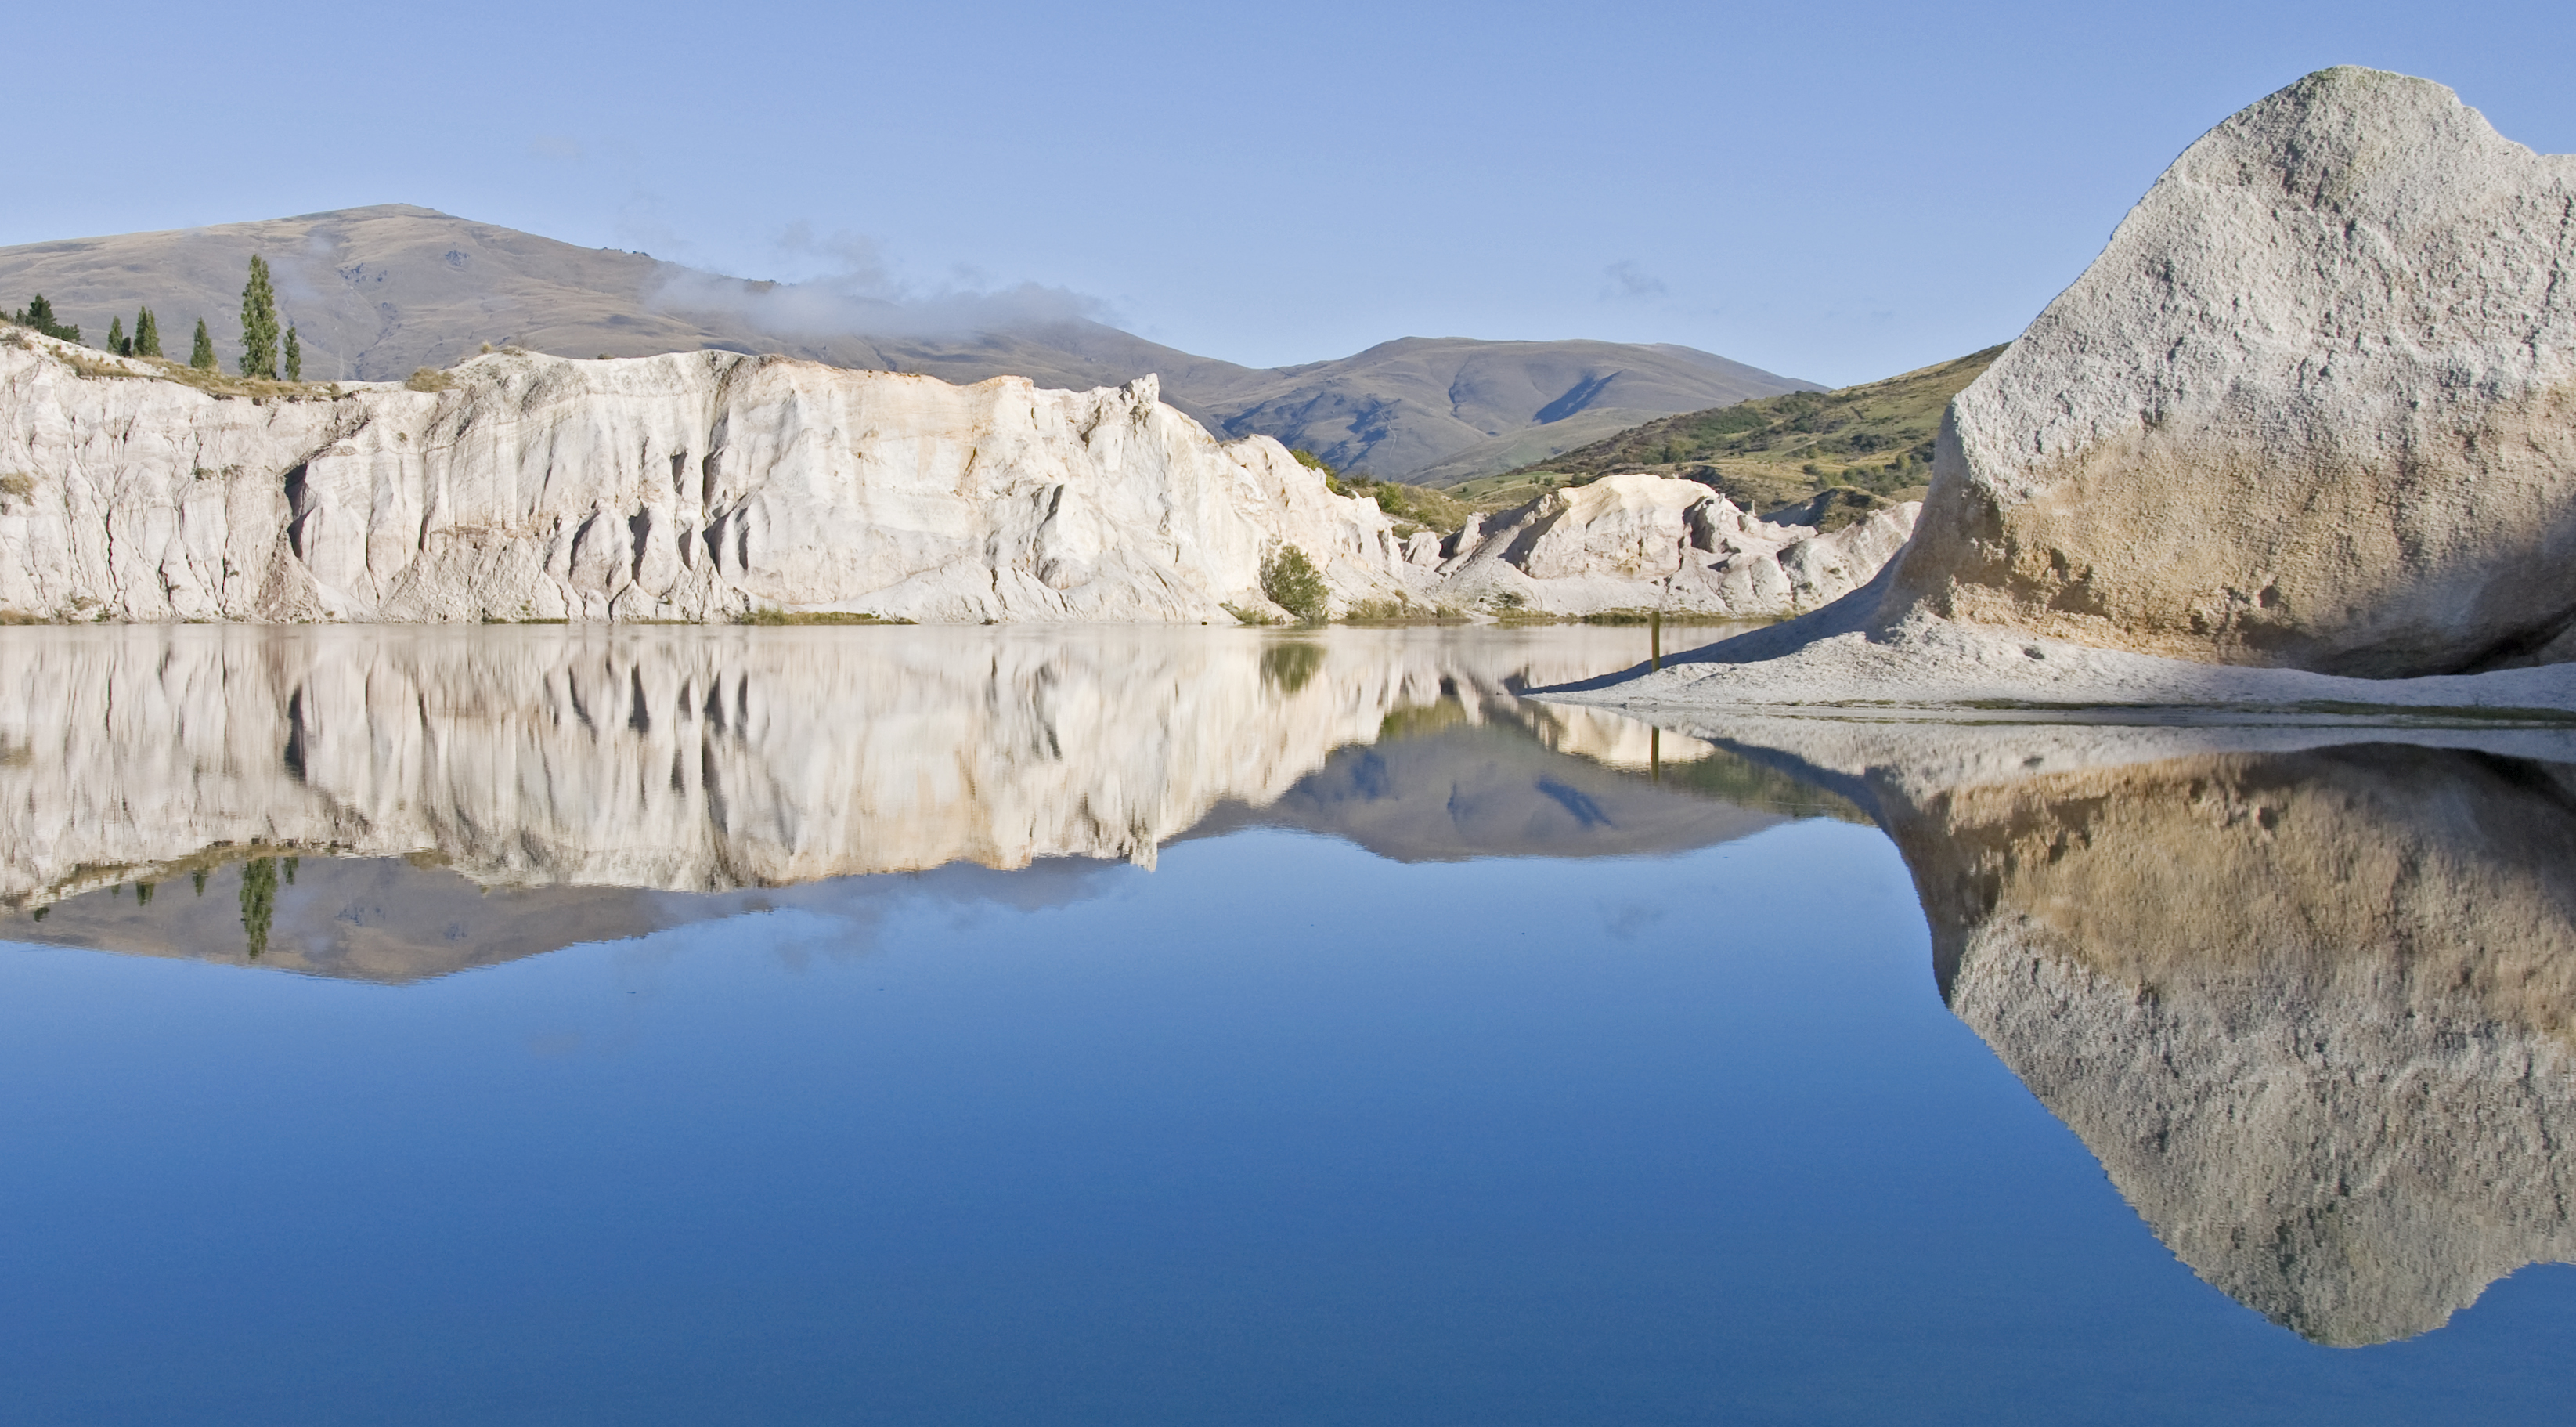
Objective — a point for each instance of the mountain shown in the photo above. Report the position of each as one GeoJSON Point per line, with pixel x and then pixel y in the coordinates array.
{"type": "Point", "coordinates": [1780, 450]}
{"type": "Point", "coordinates": [376, 292]}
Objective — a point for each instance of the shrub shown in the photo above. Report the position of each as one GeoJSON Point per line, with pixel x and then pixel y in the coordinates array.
{"type": "Point", "coordinates": [428, 379]}
{"type": "Point", "coordinates": [17, 485]}
{"type": "Point", "coordinates": [1294, 584]}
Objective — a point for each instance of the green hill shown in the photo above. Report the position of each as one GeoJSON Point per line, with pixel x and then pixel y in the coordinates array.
{"type": "Point", "coordinates": [1873, 441]}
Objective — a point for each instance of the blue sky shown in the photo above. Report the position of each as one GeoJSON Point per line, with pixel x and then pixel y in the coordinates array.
{"type": "Point", "coordinates": [1837, 191]}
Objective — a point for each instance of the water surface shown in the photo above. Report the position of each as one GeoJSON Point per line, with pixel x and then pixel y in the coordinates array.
{"type": "Point", "coordinates": [916, 1025]}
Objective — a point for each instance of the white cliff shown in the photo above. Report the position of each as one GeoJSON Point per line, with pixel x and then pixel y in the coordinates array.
{"type": "Point", "coordinates": [701, 487]}
{"type": "Point", "coordinates": [695, 486]}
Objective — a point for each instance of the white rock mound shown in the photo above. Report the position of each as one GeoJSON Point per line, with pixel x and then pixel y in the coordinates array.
{"type": "Point", "coordinates": [695, 486]}
{"type": "Point", "coordinates": [2314, 406]}
{"type": "Point", "coordinates": [1639, 542]}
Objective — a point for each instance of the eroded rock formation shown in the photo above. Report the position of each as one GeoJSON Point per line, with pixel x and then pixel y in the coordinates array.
{"type": "Point", "coordinates": [2314, 406]}
{"type": "Point", "coordinates": [694, 487]}
{"type": "Point", "coordinates": [1639, 542]}
{"type": "Point", "coordinates": [700, 487]}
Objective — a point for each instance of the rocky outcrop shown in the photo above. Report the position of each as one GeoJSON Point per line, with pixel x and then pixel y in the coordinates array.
{"type": "Point", "coordinates": [1642, 542]}
{"type": "Point", "coordinates": [2314, 406]}
{"type": "Point", "coordinates": [693, 487]}
{"type": "Point", "coordinates": [704, 486]}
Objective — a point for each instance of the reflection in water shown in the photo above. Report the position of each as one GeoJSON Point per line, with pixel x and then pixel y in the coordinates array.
{"type": "Point", "coordinates": [489, 794]}
{"type": "Point", "coordinates": [2308, 1005]}
{"type": "Point", "coordinates": [2310, 1009]}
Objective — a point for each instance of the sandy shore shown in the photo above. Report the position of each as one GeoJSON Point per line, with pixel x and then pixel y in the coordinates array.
{"type": "Point", "coordinates": [1924, 665]}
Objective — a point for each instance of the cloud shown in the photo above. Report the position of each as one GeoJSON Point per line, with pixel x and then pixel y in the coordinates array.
{"type": "Point", "coordinates": [855, 290]}
{"type": "Point", "coordinates": [1625, 281]}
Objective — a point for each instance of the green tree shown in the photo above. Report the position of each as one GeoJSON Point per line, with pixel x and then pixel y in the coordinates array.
{"type": "Point", "coordinates": [147, 334]}
{"type": "Point", "coordinates": [39, 314]}
{"type": "Point", "coordinates": [116, 338]}
{"type": "Point", "coordinates": [294, 356]}
{"type": "Point", "coordinates": [259, 323]}
{"type": "Point", "coordinates": [202, 354]}
{"type": "Point", "coordinates": [1293, 583]}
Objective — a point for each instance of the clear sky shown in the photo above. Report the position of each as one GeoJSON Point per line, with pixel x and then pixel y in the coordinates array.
{"type": "Point", "coordinates": [1835, 191]}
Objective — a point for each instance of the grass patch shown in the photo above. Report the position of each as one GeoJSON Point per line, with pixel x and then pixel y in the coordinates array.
{"type": "Point", "coordinates": [1401, 611]}
{"type": "Point", "coordinates": [261, 389]}
{"type": "Point", "coordinates": [813, 616]}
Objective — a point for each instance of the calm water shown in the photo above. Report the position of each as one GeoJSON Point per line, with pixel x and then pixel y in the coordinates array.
{"type": "Point", "coordinates": [925, 1026]}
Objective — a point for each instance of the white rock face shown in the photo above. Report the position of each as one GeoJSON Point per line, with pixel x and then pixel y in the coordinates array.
{"type": "Point", "coordinates": [2314, 406]}
{"type": "Point", "coordinates": [691, 487]}
{"type": "Point", "coordinates": [1635, 541]}
{"type": "Point", "coordinates": [700, 486]}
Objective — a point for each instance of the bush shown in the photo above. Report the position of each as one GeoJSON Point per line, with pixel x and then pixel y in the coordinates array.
{"type": "Point", "coordinates": [17, 485]}
{"type": "Point", "coordinates": [428, 379]}
{"type": "Point", "coordinates": [1294, 584]}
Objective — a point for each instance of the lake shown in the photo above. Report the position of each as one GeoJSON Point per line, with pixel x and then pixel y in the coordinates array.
{"type": "Point", "coordinates": [940, 1025]}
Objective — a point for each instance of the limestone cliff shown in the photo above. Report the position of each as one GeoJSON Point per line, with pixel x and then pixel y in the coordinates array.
{"type": "Point", "coordinates": [2314, 406]}
{"type": "Point", "coordinates": [689, 487]}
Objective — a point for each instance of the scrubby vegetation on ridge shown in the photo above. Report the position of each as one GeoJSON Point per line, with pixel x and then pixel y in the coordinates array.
{"type": "Point", "coordinates": [1873, 441]}
{"type": "Point", "coordinates": [1412, 508]}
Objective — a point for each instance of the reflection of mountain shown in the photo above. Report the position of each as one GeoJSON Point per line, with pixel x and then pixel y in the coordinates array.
{"type": "Point", "coordinates": [1439, 785]}
{"type": "Point", "coordinates": [2309, 1008]}
{"type": "Point", "coordinates": [491, 793]}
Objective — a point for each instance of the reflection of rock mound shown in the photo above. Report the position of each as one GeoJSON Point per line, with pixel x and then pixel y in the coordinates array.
{"type": "Point", "coordinates": [1453, 782]}
{"type": "Point", "coordinates": [2310, 1010]}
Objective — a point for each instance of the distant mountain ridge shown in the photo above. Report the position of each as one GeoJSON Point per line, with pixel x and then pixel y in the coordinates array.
{"type": "Point", "coordinates": [376, 292]}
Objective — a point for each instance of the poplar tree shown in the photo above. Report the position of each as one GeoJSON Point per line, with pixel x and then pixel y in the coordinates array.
{"type": "Point", "coordinates": [259, 323]}
{"type": "Point", "coordinates": [294, 356]}
{"type": "Point", "coordinates": [116, 338]}
{"type": "Point", "coordinates": [202, 355]}
{"type": "Point", "coordinates": [147, 334]}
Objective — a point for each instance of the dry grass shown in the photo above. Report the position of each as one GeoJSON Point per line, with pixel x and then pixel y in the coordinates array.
{"type": "Point", "coordinates": [817, 616]}
{"type": "Point", "coordinates": [100, 365]}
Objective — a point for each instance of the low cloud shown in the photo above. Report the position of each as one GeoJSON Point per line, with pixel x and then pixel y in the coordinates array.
{"type": "Point", "coordinates": [1626, 282]}
{"type": "Point", "coordinates": [855, 290]}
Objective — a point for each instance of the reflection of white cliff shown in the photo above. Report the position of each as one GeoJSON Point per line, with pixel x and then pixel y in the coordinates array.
{"type": "Point", "coordinates": [2310, 1009]}
{"type": "Point", "coordinates": [686, 759]}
